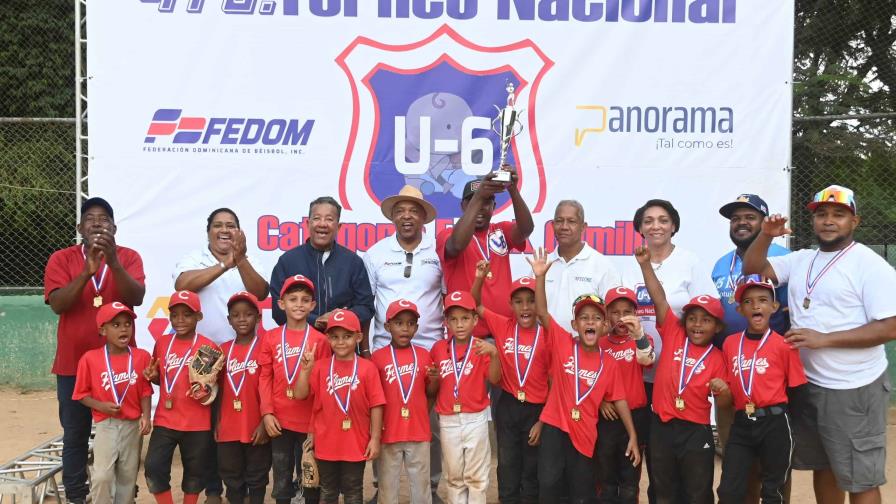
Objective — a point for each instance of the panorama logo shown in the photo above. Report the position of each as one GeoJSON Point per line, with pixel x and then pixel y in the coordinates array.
{"type": "Point", "coordinates": [173, 126]}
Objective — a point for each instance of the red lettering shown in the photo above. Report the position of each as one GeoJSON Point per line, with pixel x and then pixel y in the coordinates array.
{"type": "Point", "coordinates": [290, 235]}
{"type": "Point", "coordinates": [266, 224]}
{"type": "Point", "coordinates": [366, 236]}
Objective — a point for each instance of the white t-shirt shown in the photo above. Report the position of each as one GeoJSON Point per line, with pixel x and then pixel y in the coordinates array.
{"type": "Point", "coordinates": [214, 296]}
{"type": "Point", "coordinates": [589, 272]}
{"type": "Point", "coordinates": [855, 290]}
{"type": "Point", "coordinates": [683, 278]}
{"type": "Point", "coordinates": [385, 262]}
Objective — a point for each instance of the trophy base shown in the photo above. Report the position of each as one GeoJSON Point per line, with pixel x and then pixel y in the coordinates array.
{"type": "Point", "coordinates": [501, 176]}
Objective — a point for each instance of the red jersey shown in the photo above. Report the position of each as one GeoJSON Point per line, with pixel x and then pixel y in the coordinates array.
{"type": "Point", "coordinates": [493, 244]}
{"type": "Point", "coordinates": [472, 393]}
{"type": "Point", "coordinates": [93, 380]}
{"type": "Point", "coordinates": [503, 329]}
{"type": "Point", "coordinates": [696, 393]}
{"type": "Point", "coordinates": [185, 413]}
{"type": "Point", "coordinates": [414, 426]}
{"type": "Point", "coordinates": [338, 437]}
{"type": "Point", "coordinates": [76, 332]}
{"type": "Point", "coordinates": [597, 372]}
{"type": "Point", "coordinates": [777, 366]}
{"type": "Point", "coordinates": [238, 420]}
{"type": "Point", "coordinates": [624, 351]}
{"type": "Point", "coordinates": [293, 414]}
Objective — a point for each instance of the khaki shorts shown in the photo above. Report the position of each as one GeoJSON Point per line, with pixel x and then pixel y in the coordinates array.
{"type": "Point", "coordinates": [844, 430]}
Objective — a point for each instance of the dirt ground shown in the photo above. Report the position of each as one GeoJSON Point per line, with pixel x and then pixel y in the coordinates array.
{"type": "Point", "coordinates": [31, 418]}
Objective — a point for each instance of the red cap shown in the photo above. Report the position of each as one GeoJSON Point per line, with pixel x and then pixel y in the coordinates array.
{"type": "Point", "coordinates": [111, 310]}
{"type": "Point", "coordinates": [753, 281]}
{"type": "Point", "coordinates": [185, 297]}
{"type": "Point", "coordinates": [296, 279]}
{"type": "Point", "coordinates": [711, 304]}
{"type": "Point", "coordinates": [400, 305]}
{"type": "Point", "coordinates": [620, 293]}
{"type": "Point", "coordinates": [460, 298]}
{"type": "Point", "coordinates": [588, 299]}
{"type": "Point", "coordinates": [522, 283]}
{"type": "Point", "coordinates": [345, 319]}
{"type": "Point", "coordinates": [243, 296]}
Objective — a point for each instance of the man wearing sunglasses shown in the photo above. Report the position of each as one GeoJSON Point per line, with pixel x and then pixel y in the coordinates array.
{"type": "Point", "coordinates": [842, 313]}
{"type": "Point", "coordinates": [406, 266]}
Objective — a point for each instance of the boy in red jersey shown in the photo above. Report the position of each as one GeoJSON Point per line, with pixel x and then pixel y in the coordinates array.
{"type": "Point", "coordinates": [582, 376]}
{"type": "Point", "coordinates": [244, 454]}
{"type": "Point", "coordinates": [107, 382]}
{"type": "Point", "coordinates": [287, 419]}
{"type": "Point", "coordinates": [348, 410]}
{"type": "Point", "coordinates": [632, 350]}
{"type": "Point", "coordinates": [763, 365]}
{"type": "Point", "coordinates": [181, 419]}
{"type": "Point", "coordinates": [408, 378]}
{"type": "Point", "coordinates": [524, 379]}
{"type": "Point", "coordinates": [682, 448]}
{"type": "Point", "coordinates": [465, 365]}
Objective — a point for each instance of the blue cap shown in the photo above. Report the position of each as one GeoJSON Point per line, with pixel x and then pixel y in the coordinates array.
{"type": "Point", "coordinates": [745, 200]}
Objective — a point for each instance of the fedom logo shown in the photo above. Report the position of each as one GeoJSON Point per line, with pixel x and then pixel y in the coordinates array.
{"type": "Point", "coordinates": [171, 123]}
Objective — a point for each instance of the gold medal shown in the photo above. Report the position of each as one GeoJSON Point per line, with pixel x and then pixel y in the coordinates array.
{"type": "Point", "coordinates": [405, 412]}
{"type": "Point", "coordinates": [290, 394]}
{"type": "Point", "coordinates": [520, 396]}
{"type": "Point", "coordinates": [576, 414]}
{"type": "Point", "coordinates": [456, 407]}
{"type": "Point", "coordinates": [98, 301]}
{"type": "Point", "coordinates": [806, 302]}
{"type": "Point", "coordinates": [750, 409]}
{"type": "Point", "coordinates": [347, 424]}
{"type": "Point", "coordinates": [679, 403]}
{"type": "Point", "coordinates": [169, 403]}
{"type": "Point", "coordinates": [237, 404]}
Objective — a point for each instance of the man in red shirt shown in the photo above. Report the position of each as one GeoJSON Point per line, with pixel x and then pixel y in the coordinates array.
{"type": "Point", "coordinates": [77, 281]}
{"type": "Point", "coordinates": [474, 238]}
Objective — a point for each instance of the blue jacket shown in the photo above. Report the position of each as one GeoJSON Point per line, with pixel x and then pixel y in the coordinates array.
{"type": "Point", "coordinates": [339, 282]}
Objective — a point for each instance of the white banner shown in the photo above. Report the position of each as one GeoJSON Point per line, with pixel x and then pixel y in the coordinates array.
{"type": "Point", "coordinates": [263, 105]}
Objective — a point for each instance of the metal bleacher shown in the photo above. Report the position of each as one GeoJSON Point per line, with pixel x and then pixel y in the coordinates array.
{"type": "Point", "coordinates": [35, 476]}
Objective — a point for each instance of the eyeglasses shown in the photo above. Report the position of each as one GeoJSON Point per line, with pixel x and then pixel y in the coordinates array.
{"type": "Point", "coordinates": [836, 194]}
{"type": "Point", "coordinates": [409, 259]}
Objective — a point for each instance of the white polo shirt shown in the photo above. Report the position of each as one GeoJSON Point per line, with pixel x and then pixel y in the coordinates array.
{"type": "Point", "coordinates": [214, 296]}
{"type": "Point", "coordinates": [385, 262]}
{"type": "Point", "coordinates": [855, 290]}
{"type": "Point", "coordinates": [589, 272]}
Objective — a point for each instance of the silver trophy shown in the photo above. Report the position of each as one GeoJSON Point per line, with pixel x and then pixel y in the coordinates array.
{"type": "Point", "coordinates": [506, 126]}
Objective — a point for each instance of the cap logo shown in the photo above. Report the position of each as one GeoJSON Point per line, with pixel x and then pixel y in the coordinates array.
{"type": "Point", "coordinates": [118, 306]}
{"type": "Point", "coordinates": [242, 293]}
{"type": "Point", "coordinates": [339, 316]}
{"type": "Point", "coordinates": [526, 281]}
{"type": "Point", "coordinates": [299, 278]}
{"type": "Point", "coordinates": [622, 291]}
{"type": "Point", "coordinates": [743, 198]}
{"type": "Point", "coordinates": [183, 295]}
{"type": "Point", "coordinates": [455, 296]}
{"type": "Point", "coordinates": [703, 299]}
{"type": "Point", "coordinates": [404, 303]}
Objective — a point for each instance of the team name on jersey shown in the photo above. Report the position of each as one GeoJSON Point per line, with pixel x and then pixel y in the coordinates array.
{"type": "Point", "coordinates": [402, 370]}
{"type": "Point", "coordinates": [173, 361]}
{"type": "Point", "coordinates": [689, 362]}
{"type": "Point", "coordinates": [117, 378]}
{"type": "Point", "coordinates": [234, 366]}
{"type": "Point", "coordinates": [626, 354]}
{"type": "Point", "coordinates": [526, 350]}
{"type": "Point", "coordinates": [588, 376]}
{"type": "Point", "coordinates": [445, 368]}
{"type": "Point", "coordinates": [337, 382]}
{"type": "Point", "coordinates": [761, 365]}
{"type": "Point", "coordinates": [291, 351]}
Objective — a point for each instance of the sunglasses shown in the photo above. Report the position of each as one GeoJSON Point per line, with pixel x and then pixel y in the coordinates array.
{"type": "Point", "coordinates": [593, 297]}
{"type": "Point", "coordinates": [836, 194]}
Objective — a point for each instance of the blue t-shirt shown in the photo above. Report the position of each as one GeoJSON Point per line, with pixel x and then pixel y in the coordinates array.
{"type": "Point", "coordinates": [725, 277]}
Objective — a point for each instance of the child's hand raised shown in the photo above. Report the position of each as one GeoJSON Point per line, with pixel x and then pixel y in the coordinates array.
{"type": "Point", "coordinates": [151, 372]}
{"type": "Point", "coordinates": [539, 262]}
{"type": "Point", "coordinates": [633, 324]}
{"type": "Point", "coordinates": [482, 268]}
{"type": "Point", "coordinates": [484, 347]}
{"type": "Point", "coordinates": [775, 226]}
{"type": "Point", "coordinates": [642, 255]}
{"type": "Point", "coordinates": [308, 358]}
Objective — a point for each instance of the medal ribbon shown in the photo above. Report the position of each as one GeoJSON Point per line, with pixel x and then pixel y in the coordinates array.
{"type": "Point", "coordinates": [97, 284]}
{"type": "Point", "coordinates": [521, 379]}
{"type": "Point", "coordinates": [169, 383]}
{"type": "Point", "coordinates": [580, 398]}
{"type": "Point", "coordinates": [111, 372]}
{"type": "Point", "coordinates": [487, 252]}
{"type": "Point", "coordinates": [748, 387]}
{"type": "Point", "coordinates": [290, 377]}
{"type": "Point", "coordinates": [810, 285]}
{"type": "Point", "coordinates": [732, 280]}
{"type": "Point", "coordinates": [237, 388]}
{"type": "Point", "coordinates": [682, 382]}
{"type": "Point", "coordinates": [405, 397]}
{"type": "Point", "coordinates": [458, 375]}
{"type": "Point", "coordinates": [348, 395]}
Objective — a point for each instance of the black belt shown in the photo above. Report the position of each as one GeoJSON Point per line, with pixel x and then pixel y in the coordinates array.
{"type": "Point", "coordinates": [777, 409]}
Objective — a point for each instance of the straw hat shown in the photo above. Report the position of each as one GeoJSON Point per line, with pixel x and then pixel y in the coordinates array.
{"type": "Point", "coordinates": [409, 193]}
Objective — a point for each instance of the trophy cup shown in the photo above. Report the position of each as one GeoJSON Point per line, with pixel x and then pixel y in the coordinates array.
{"type": "Point", "coordinates": [506, 125]}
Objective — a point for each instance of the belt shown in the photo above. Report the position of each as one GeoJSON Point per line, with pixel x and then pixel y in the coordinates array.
{"type": "Point", "coordinates": [778, 409]}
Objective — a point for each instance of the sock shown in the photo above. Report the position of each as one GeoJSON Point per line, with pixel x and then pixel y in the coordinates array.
{"type": "Point", "coordinates": [164, 497]}
{"type": "Point", "coordinates": [191, 498]}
